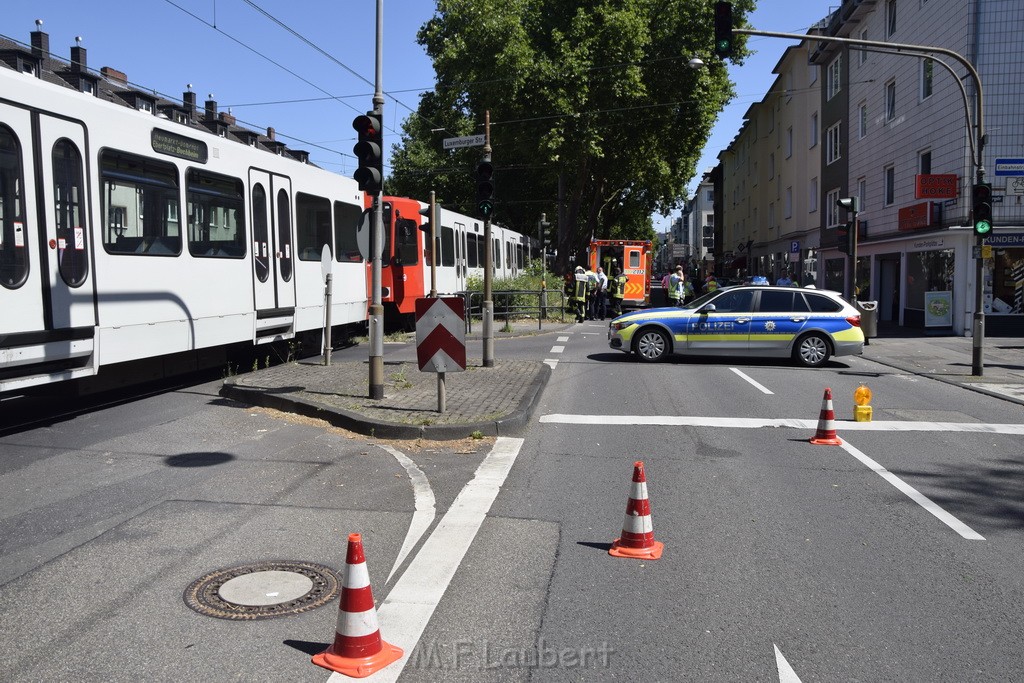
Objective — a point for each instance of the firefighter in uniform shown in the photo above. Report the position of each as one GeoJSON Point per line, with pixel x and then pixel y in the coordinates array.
{"type": "Point", "coordinates": [617, 290]}
{"type": "Point", "coordinates": [575, 290]}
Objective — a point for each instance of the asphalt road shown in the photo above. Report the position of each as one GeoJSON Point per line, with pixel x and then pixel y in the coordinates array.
{"type": "Point", "coordinates": [894, 557]}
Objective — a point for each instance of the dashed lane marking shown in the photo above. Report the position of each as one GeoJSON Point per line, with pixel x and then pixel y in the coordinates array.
{"type": "Point", "coordinates": [557, 349]}
{"type": "Point", "coordinates": [759, 387]}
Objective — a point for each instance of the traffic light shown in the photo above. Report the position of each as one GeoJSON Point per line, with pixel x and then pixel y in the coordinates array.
{"type": "Point", "coordinates": [369, 151]}
{"type": "Point", "coordinates": [846, 235]}
{"type": "Point", "coordinates": [427, 220]}
{"type": "Point", "coordinates": [723, 29]}
{"type": "Point", "coordinates": [485, 187]}
{"type": "Point", "coordinates": [843, 238]}
{"type": "Point", "coordinates": [982, 205]}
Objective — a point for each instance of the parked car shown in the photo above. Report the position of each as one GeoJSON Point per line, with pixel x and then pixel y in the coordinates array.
{"type": "Point", "coordinates": [760, 321]}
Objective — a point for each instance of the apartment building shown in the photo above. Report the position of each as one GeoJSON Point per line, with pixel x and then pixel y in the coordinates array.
{"type": "Point", "coordinates": [897, 129]}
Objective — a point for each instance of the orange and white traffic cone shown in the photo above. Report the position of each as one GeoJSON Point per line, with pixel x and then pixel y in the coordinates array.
{"type": "Point", "coordinates": [358, 649]}
{"type": "Point", "coordinates": [637, 540]}
{"type": "Point", "coordinates": [826, 434]}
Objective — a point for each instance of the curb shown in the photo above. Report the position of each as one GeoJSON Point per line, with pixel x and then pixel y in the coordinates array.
{"type": "Point", "coordinates": [506, 425]}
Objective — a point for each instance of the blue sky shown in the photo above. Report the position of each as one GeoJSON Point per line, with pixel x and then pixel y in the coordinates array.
{"type": "Point", "coordinates": [307, 68]}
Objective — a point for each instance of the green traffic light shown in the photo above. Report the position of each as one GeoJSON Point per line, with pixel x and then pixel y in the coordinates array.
{"type": "Point", "coordinates": [982, 227]}
{"type": "Point", "coordinates": [722, 46]}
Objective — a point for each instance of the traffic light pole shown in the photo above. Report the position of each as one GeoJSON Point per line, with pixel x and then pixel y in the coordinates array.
{"type": "Point", "coordinates": [376, 379]}
{"type": "Point", "coordinates": [488, 312]}
{"type": "Point", "coordinates": [978, 328]}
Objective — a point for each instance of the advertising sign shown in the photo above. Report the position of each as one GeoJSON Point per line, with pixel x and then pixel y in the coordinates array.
{"type": "Point", "coordinates": [936, 186]}
{"type": "Point", "coordinates": [938, 309]}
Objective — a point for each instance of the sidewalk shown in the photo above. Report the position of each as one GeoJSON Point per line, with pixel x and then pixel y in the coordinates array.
{"type": "Point", "coordinates": [498, 401]}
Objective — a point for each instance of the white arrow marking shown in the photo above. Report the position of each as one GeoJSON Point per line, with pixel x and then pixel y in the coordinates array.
{"type": "Point", "coordinates": [786, 673]}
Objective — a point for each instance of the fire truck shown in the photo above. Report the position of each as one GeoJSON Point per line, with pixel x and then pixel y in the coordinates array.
{"type": "Point", "coordinates": [634, 258]}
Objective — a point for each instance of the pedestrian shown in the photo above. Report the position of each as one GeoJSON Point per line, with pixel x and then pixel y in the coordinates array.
{"type": "Point", "coordinates": [784, 280]}
{"type": "Point", "coordinates": [688, 292]}
{"type": "Point", "coordinates": [601, 295]}
{"type": "Point", "coordinates": [591, 292]}
{"type": "Point", "coordinates": [675, 287]}
{"type": "Point", "coordinates": [575, 290]}
{"type": "Point", "coordinates": [711, 284]}
{"type": "Point", "coordinates": [617, 290]}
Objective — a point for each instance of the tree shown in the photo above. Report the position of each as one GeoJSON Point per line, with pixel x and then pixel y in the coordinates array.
{"type": "Point", "coordinates": [594, 96]}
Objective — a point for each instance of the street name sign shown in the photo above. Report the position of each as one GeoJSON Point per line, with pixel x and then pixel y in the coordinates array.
{"type": "Point", "coordinates": [1009, 166]}
{"type": "Point", "coordinates": [441, 334]}
{"type": "Point", "coordinates": [466, 141]}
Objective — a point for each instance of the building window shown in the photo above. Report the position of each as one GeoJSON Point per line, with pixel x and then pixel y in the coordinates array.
{"type": "Point", "coordinates": [832, 147]}
{"type": "Point", "coordinates": [789, 142]}
{"type": "Point", "coordinates": [862, 120]}
{"type": "Point", "coordinates": [771, 165]}
{"type": "Point", "coordinates": [771, 214]}
{"type": "Point", "coordinates": [787, 206]}
{"type": "Point", "coordinates": [709, 195]}
{"type": "Point", "coordinates": [813, 132]}
{"type": "Point", "coordinates": [890, 18]}
{"type": "Point", "coordinates": [890, 100]}
{"type": "Point", "coordinates": [812, 73]}
{"type": "Point", "coordinates": [924, 162]}
{"type": "Point", "coordinates": [812, 198]}
{"type": "Point", "coordinates": [862, 192]}
{"type": "Point", "coordinates": [863, 53]}
{"type": "Point", "coordinates": [890, 185]}
{"type": "Point", "coordinates": [834, 77]}
{"type": "Point", "coordinates": [927, 70]}
{"type": "Point", "coordinates": [831, 208]}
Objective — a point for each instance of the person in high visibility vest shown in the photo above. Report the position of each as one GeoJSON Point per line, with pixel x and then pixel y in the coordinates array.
{"type": "Point", "coordinates": [592, 285]}
{"type": "Point", "coordinates": [617, 290]}
{"type": "Point", "coordinates": [575, 290]}
{"type": "Point", "coordinates": [675, 287]}
{"type": "Point", "coordinates": [711, 284]}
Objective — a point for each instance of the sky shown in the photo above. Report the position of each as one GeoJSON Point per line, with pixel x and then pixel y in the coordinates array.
{"type": "Point", "coordinates": [308, 68]}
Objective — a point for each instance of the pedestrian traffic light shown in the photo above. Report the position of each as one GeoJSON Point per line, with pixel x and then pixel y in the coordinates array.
{"type": "Point", "coordinates": [485, 187]}
{"type": "Point", "coordinates": [982, 205]}
{"type": "Point", "coordinates": [369, 151]}
{"type": "Point", "coordinates": [723, 29]}
{"type": "Point", "coordinates": [843, 238]}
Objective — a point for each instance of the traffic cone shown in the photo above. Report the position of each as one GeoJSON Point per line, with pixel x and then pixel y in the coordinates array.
{"type": "Point", "coordinates": [358, 649]}
{"type": "Point", "coordinates": [637, 540]}
{"type": "Point", "coordinates": [826, 434]}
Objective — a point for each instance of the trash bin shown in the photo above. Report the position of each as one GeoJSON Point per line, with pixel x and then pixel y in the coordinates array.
{"type": "Point", "coordinates": [868, 318]}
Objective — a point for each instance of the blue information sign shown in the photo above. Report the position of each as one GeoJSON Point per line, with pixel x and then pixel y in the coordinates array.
{"type": "Point", "coordinates": [1009, 166]}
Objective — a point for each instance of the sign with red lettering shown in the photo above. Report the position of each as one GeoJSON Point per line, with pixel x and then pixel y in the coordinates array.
{"type": "Point", "coordinates": [441, 334]}
{"type": "Point", "coordinates": [936, 186]}
{"type": "Point", "coordinates": [915, 216]}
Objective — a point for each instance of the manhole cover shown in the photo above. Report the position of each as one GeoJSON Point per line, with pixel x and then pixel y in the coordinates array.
{"type": "Point", "coordinates": [262, 590]}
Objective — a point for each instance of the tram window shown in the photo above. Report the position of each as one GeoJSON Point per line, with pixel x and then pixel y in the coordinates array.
{"type": "Point", "coordinates": [260, 233]}
{"type": "Point", "coordinates": [346, 223]}
{"type": "Point", "coordinates": [406, 248]}
{"type": "Point", "coordinates": [216, 215]}
{"type": "Point", "coordinates": [284, 234]}
{"type": "Point", "coordinates": [69, 212]}
{"type": "Point", "coordinates": [148, 191]}
{"type": "Point", "coordinates": [312, 225]}
{"type": "Point", "coordinates": [519, 255]}
{"type": "Point", "coordinates": [13, 245]}
{"type": "Point", "coordinates": [447, 247]}
{"type": "Point", "coordinates": [496, 253]}
{"type": "Point", "coordinates": [472, 247]}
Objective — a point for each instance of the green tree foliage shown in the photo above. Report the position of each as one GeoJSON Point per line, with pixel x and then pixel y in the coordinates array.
{"type": "Point", "coordinates": [595, 97]}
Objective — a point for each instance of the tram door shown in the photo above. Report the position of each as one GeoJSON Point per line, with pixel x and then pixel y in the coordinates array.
{"type": "Point", "coordinates": [68, 280]}
{"type": "Point", "coordinates": [272, 246]}
{"type": "Point", "coordinates": [21, 296]}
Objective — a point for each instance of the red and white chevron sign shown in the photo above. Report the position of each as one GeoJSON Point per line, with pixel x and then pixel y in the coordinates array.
{"type": "Point", "coordinates": [441, 334]}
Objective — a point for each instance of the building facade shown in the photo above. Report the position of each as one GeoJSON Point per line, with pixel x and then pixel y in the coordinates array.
{"type": "Point", "coordinates": [898, 131]}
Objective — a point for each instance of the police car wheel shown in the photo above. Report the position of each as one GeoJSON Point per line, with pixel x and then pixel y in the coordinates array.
{"type": "Point", "coordinates": [651, 345]}
{"type": "Point", "coordinates": [811, 351]}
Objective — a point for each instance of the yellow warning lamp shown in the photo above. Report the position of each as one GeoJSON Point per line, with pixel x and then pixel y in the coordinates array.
{"type": "Point", "coordinates": [862, 399]}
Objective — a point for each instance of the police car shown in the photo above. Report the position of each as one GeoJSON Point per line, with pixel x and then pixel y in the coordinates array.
{"type": "Point", "coordinates": [807, 325]}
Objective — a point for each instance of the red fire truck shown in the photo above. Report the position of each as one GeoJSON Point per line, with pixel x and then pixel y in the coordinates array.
{"type": "Point", "coordinates": [634, 258]}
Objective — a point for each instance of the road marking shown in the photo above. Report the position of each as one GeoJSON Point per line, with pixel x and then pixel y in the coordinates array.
{"type": "Point", "coordinates": [562, 339]}
{"type": "Point", "coordinates": [758, 423]}
{"type": "Point", "coordinates": [915, 495]}
{"type": "Point", "coordinates": [404, 614]}
{"type": "Point", "coordinates": [786, 673]}
{"type": "Point", "coordinates": [557, 349]}
{"type": "Point", "coordinates": [763, 389]}
{"type": "Point", "coordinates": [425, 511]}
{"type": "Point", "coordinates": [551, 362]}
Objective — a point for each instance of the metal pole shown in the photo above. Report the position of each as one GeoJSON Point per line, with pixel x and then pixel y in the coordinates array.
{"type": "Point", "coordinates": [434, 215]}
{"type": "Point", "coordinates": [441, 395]}
{"type": "Point", "coordinates": [488, 311]}
{"type": "Point", "coordinates": [377, 234]}
{"type": "Point", "coordinates": [327, 321]}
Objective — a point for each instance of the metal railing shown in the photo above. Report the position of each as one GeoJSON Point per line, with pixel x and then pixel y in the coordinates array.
{"type": "Point", "coordinates": [516, 304]}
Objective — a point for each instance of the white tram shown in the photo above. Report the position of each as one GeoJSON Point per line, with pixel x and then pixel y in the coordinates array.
{"type": "Point", "coordinates": [128, 235]}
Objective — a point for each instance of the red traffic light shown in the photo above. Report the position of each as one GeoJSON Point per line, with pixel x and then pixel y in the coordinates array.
{"type": "Point", "coordinates": [367, 125]}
